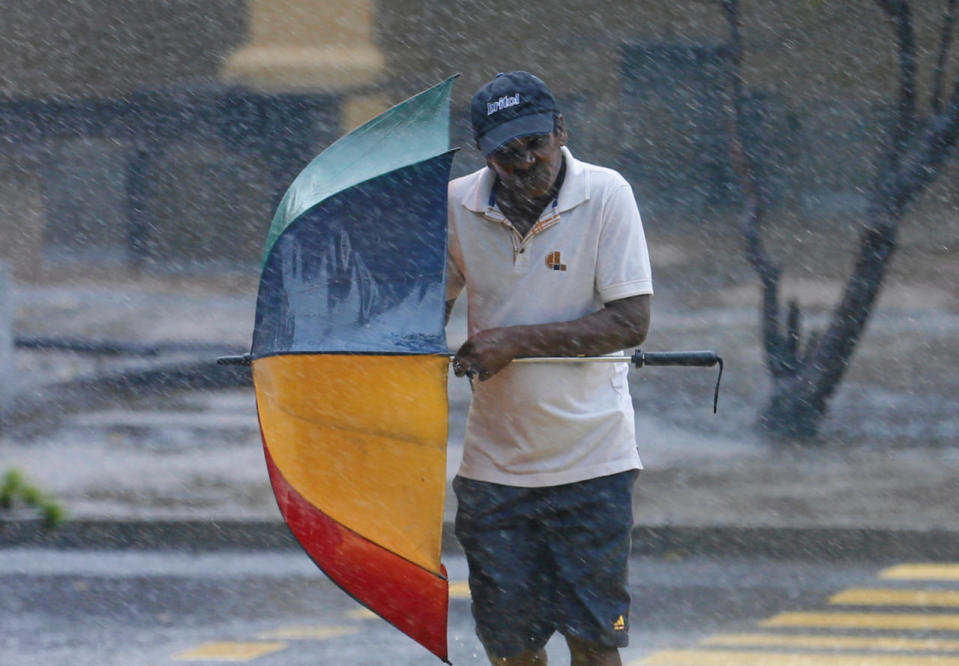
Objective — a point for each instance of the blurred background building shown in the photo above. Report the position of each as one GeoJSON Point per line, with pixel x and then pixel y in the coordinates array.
{"type": "Point", "coordinates": [161, 133]}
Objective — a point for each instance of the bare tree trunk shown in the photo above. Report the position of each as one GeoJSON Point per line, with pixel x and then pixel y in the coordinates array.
{"type": "Point", "coordinates": [807, 372]}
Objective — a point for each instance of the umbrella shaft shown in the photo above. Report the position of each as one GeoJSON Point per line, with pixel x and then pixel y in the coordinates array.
{"type": "Point", "coordinates": [570, 359]}
{"type": "Point", "coordinates": [573, 359]}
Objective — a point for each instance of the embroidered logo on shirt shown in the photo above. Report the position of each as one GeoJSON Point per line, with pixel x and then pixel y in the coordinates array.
{"type": "Point", "coordinates": [553, 262]}
{"type": "Point", "coordinates": [619, 624]}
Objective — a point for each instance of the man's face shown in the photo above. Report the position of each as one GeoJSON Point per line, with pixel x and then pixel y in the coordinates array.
{"type": "Point", "coordinates": [528, 166]}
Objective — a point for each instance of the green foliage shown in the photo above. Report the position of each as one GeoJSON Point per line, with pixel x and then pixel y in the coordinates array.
{"type": "Point", "coordinates": [15, 490]}
{"type": "Point", "coordinates": [12, 482]}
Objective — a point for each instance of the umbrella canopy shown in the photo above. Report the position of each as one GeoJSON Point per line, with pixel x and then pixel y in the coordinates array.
{"type": "Point", "coordinates": [350, 361]}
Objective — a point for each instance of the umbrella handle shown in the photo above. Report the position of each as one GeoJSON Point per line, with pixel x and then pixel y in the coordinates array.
{"type": "Point", "coordinates": [688, 359]}
{"type": "Point", "coordinates": [243, 359]}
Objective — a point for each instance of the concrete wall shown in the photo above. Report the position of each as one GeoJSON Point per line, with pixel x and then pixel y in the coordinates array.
{"type": "Point", "coordinates": [68, 195]}
{"type": "Point", "coordinates": [810, 48]}
{"type": "Point", "coordinates": [821, 76]}
{"type": "Point", "coordinates": [112, 46]}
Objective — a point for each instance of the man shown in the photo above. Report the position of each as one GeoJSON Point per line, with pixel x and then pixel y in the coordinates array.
{"type": "Point", "coordinates": [553, 257]}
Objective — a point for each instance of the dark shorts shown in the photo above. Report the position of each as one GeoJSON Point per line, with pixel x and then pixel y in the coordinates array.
{"type": "Point", "coordinates": [548, 559]}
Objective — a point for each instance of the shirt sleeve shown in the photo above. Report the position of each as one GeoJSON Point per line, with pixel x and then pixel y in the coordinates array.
{"type": "Point", "coordinates": [623, 268]}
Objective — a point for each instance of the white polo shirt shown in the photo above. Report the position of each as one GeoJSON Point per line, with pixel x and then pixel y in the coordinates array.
{"type": "Point", "coordinates": [544, 424]}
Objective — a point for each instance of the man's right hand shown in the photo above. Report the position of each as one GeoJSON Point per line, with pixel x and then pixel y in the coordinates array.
{"type": "Point", "coordinates": [486, 353]}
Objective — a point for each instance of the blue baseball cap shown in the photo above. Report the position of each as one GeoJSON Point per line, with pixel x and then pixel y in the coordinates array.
{"type": "Point", "coordinates": [513, 105]}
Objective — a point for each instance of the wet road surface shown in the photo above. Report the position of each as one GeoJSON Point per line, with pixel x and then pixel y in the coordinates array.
{"type": "Point", "coordinates": [269, 609]}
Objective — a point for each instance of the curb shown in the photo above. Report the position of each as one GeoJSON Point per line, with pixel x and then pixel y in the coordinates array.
{"type": "Point", "coordinates": [180, 535]}
{"type": "Point", "coordinates": [798, 543]}
{"type": "Point", "coordinates": [670, 541]}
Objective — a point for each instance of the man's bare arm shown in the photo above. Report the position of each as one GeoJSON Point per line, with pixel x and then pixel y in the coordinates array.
{"type": "Point", "coordinates": [620, 324]}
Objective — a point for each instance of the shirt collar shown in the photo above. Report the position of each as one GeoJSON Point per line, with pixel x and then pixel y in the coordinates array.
{"type": "Point", "coordinates": [574, 191]}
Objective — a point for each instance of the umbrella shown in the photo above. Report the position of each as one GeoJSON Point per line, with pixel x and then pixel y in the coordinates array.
{"type": "Point", "coordinates": [350, 362]}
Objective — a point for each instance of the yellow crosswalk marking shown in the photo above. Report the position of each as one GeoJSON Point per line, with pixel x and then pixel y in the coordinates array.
{"type": "Point", "coordinates": [743, 658]}
{"type": "Point", "coordinates": [919, 621]}
{"type": "Point", "coordinates": [827, 642]}
{"type": "Point", "coordinates": [459, 589]}
{"type": "Point", "coordinates": [361, 614]}
{"type": "Point", "coordinates": [307, 633]}
{"type": "Point", "coordinates": [922, 571]}
{"type": "Point", "coordinates": [228, 651]}
{"type": "Point", "coordinates": [890, 597]}
{"type": "Point", "coordinates": [770, 648]}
